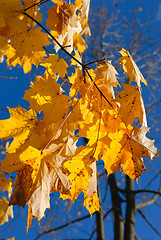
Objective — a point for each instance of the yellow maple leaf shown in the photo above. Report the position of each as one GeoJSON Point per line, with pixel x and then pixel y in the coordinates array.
{"type": "Point", "coordinates": [5, 210]}
{"type": "Point", "coordinates": [64, 25]}
{"type": "Point", "coordinates": [131, 68]}
{"type": "Point", "coordinates": [79, 175]}
{"type": "Point", "coordinates": [49, 178]}
{"type": "Point", "coordinates": [131, 105]}
{"type": "Point", "coordinates": [92, 203]}
{"type": "Point", "coordinates": [5, 184]}
{"type": "Point", "coordinates": [15, 161]}
{"type": "Point", "coordinates": [7, 9]}
{"type": "Point", "coordinates": [23, 41]}
{"type": "Point", "coordinates": [20, 124]}
{"type": "Point", "coordinates": [79, 43]}
{"type": "Point", "coordinates": [108, 74]}
{"type": "Point", "coordinates": [127, 149]}
{"type": "Point", "coordinates": [44, 95]}
{"type": "Point", "coordinates": [41, 175]}
{"type": "Point", "coordinates": [78, 3]}
{"type": "Point", "coordinates": [13, 59]}
{"type": "Point", "coordinates": [58, 3]}
{"type": "Point", "coordinates": [55, 64]}
{"type": "Point", "coordinates": [29, 218]}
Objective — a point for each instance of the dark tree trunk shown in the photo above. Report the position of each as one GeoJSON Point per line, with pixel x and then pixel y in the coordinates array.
{"type": "Point", "coordinates": [116, 206]}
{"type": "Point", "coordinates": [129, 233]}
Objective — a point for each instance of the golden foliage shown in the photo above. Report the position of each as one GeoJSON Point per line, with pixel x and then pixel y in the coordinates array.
{"type": "Point", "coordinates": [44, 150]}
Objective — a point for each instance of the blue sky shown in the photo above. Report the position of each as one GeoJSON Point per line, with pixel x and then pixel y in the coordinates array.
{"type": "Point", "coordinates": [11, 94]}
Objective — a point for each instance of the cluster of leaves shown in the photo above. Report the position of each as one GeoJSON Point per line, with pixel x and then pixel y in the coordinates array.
{"type": "Point", "coordinates": [45, 150]}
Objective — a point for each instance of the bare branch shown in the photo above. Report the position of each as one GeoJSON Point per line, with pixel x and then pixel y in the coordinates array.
{"type": "Point", "coordinates": [145, 218]}
{"type": "Point", "coordinates": [36, 4]}
{"type": "Point", "coordinates": [62, 226]}
{"type": "Point", "coordinates": [146, 191]}
{"type": "Point", "coordinates": [148, 202]}
{"type": "Point", "coordinates": [159, 204]}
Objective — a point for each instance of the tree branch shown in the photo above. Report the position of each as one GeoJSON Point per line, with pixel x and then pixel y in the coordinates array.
{"type": "Point", "coordinates": [145, 218]}
{"type": "Point", "coordinates": [146, 191]}
{"type": "Point", "coordinates": [148, 202]}
{"type": "Point", "coordinates": [130, 210]}
{"type": "Point", "coordinates": [62, 226]}
{"type": "Point", "coordinates": [36, 4]}
{"type": "Point", "coordinates": [116, 206]}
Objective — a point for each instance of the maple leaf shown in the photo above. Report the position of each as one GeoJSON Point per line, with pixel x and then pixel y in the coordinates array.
{"type": "Point", "coordinates": [127, 150]}
{"type": "Point", "coordinates": [13, 59]}
{"type": "Point", "coordinates": [55, 64]}
{"type": "Point", "coordinates": [20, 125]}
{"type": "Point", "coordinates": [131, 68]}
{"type": "Point", "coordinates": [84, 8]}
{"type": "Point", "coordinates": [108, 74]}
{"type": "Point", "coordinates": [64, 25]}
{"type": "Point", "coordinates": [79, 176]}
{"type": "Point", "coordinates": [91, 200]}
{"type": "Point", "coordinates": [29, 218]}
{"type": "Point", "coordinates": [79, 43]}
{"type": "Point", "coordinates": [8, 9]}
{"type": "Point", "coordinates": [5, 210]}
{"type": "Point", "coordinates": [24, 40]}
{"type": "Point", "coordinates": [32, 11]}
{"type": "Point", "coordinates": [39, 174]}
{"type": "Point", "coordinates": [92, 203]}
{"type": "Point", "coordinates": [49, 178]}
{"type": "Point", "coordinates": [78, 3]}
{"type": "Point", "coordinates": [45, 95]}
{"type": "Point", "coordinates": [131, 105]}
{"type": "Point", "coordinates": [5, 184]}
{"type": "Point", "coordinates": [16, 160]}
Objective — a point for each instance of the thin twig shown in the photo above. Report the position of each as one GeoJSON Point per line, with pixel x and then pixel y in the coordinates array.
{"type": "Point", "coordinates": [62, 226]}
{"type": "Point", "coordinates": [145, 218]}
{"type": "Point", "coordinates": [36, 4]}
{"type": "Point", "coordinates": [8, 77]}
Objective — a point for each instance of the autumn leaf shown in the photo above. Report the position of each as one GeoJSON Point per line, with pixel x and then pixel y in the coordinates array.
{"type": "Point", "coordinates": [16, 160]}
{"type": "Point", "coordinates": [131, 68]}
{"type": "Point", "coordinates": [92, 203]}
{"type": "Point", "coordinates": [64, 25]}
{"type": "Point", "coordinates": [7, 9]}
{"type": "Point", "coordinates": [19, 126]}
{"type": "Point", "coordinates": [132, 106]}
{"type": "Point", "coordinates": [5, 210]}
{"type": "Point", "coordinates": [23, 41]}
{"type": "Point", "coordinates": [49, 178]}
{"type": "Point", "coordinates": [55, 65]}
{"type": "Point", "coordinates": [78, 3]}
{"type": "Point", "coordinates": [79, 43]}
{"type": "Point", "coordinates": [45, 153]}
{"type": "Point", "coordinates": [45, 95]}
{"type": "Point", "coordinates": [79, 176]}
{"type": "Point", "coordinates": [84, 8]}
{"type": "Point", "coordinates": [5, 184]}
{"type": "Point", "coordinates": [127, 149]}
